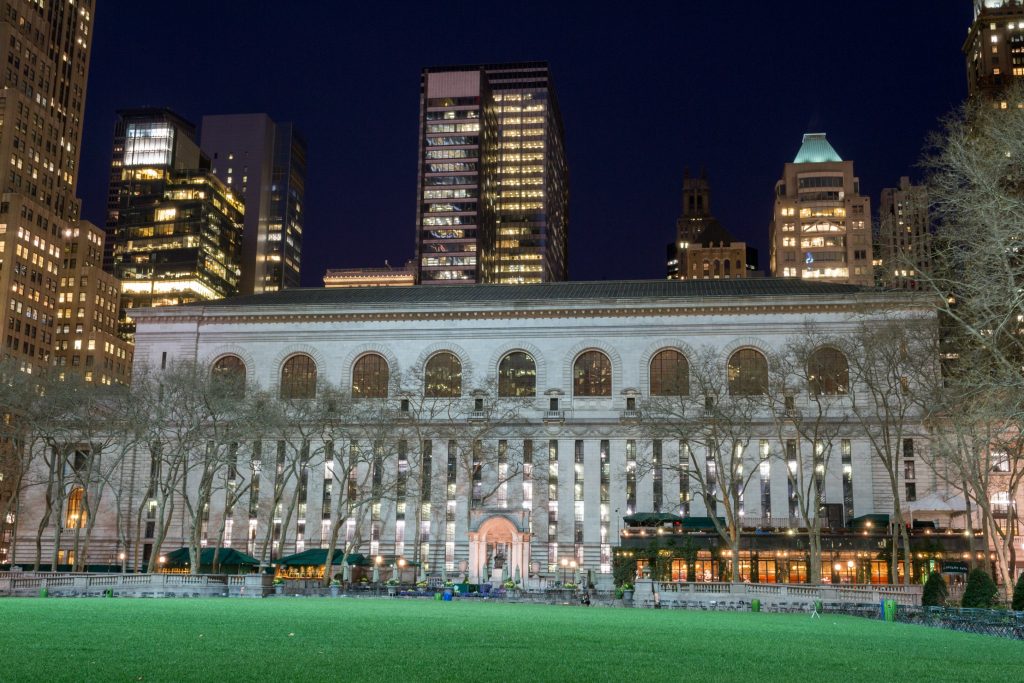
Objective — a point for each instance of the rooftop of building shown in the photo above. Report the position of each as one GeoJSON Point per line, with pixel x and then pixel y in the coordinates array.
{"type": "Point", "coordinates": [816, 149]}
{"type": "Point", "coordinates": [550, 293]}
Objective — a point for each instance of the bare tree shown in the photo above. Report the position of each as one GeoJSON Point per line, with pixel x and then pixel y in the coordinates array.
{"type": "Point", "coordinates": [715, 419]}
{"type": "Point", "coordinates": [975, 167]}
{"type": "Point", "coordinates": [809, 379]}
{"type": "Point", "coordinates": [886, 360]}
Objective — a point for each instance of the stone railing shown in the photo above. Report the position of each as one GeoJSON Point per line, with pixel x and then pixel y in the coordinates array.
{"type": "Point", "coordinates": [135, 585]}
{"type": "Point", "coordinates": [783, 596]}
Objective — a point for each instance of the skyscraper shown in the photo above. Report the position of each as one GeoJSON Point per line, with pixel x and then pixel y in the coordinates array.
{"type": "Point", "coordinates": [173, 228]}
{"type": "Point", "coordinates": [904, 236]}
{"type": "Point", "coordinates": [703, 248]}
{"type": "Point", "coordinates": [264, 163]}
{"type": "Point", "coordinates": [994, 48]}
{"type": "Point", "coordinates": [87, 340]}
{"type": "Point", "coordinates": [493, 181]}
{"type": "Point", "coordinates": [821, 225]}
{"type": "Point", "coordinates": [46, 49]}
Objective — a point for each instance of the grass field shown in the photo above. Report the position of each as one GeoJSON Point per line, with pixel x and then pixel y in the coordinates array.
{"type": "Point", "coordinates": [287, 639]}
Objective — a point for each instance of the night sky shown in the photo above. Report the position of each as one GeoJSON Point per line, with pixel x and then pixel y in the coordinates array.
{"type": "Point", "coordinates": [644, 93]}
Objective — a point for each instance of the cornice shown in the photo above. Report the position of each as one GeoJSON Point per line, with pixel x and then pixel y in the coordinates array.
{"type": "Point", "coordinates": [292, 317]}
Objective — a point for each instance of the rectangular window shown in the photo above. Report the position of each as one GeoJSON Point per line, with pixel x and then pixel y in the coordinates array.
{"type": "Point", "coordinates": [684, 479]}
{"type": "Point", "coordinates": [847, 458]}
{"type": "Point", "coordinates": [630, 476]}
{"type": "Point", "coordinates": [765, 467]}
{"type": "Point", "coordinates": [791, 478]}
{"type": "Point", "coordinates": [658, 484]}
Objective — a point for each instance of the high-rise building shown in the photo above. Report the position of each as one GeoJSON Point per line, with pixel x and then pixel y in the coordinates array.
{"type": "Point", "coordinates": [46, 47]}
{"type": "Point", "coordinates": [821, 225]}
{"type": "Point", "coordinates": [994, 48]}
{"type": "Point", "coordinates": [493, 183]}
{"type": "Point", "coordinates": [264, 163]}
{"type": "Point", "coordinates": [703, 248]}
{"type": "Point", "coordinates": [904, 236]}
{"type": "Point", "coordinates": [174, 229]}
{"type": "Point", "coordinates": [87, 340]}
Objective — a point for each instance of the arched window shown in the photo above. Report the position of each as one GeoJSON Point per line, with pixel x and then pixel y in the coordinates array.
{"type": "Point", "coordinates": [592, 375]}
{"type": "Point", "coordinates": [370, 377]}
{"type": "Point", "coordinates": [517, 375]}
{"type": "Point", "coordinates": [443, 376]}
{"type": "Point", "coordinates": [228, 372]}
{"type": "Point", "coordinates": [717, 268]}
{"type": "Point", "coordinates": [828, 372]}
{"type": "Point", "coordinates": [728, 267]}
{"type": "Point", "coordinates": [298, 377]}
{"type": "Point", "coordinates": [76, 517]}
{"type": "Point", "coordinates": [748, 373]}
{"type": "Point", "coordinates": [670, 374]}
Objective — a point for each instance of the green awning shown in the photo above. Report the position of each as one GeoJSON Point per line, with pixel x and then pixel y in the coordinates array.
{"type": "Point", "coordinates": [702, 522]}
{"type": "Point", "coordinates": [228, 557]}
{"type": "Point", "coordinates": [876, 521]}
{"type": "Point", "coordinates": [317, 556]}
{"type": "Point", "coordinates": [652, 518]}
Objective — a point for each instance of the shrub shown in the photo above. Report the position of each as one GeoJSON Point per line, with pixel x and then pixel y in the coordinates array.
{"type": "Point", "coordinates": [981, 590]}
{"type": "Point", "coordinates": [935, 591]}
{"type": "Point", "coordinates": [1018, 594]}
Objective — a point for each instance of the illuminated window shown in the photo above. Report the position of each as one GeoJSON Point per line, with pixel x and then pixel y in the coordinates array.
{"type": "Point", "coordinates": [592, 375]}
{"type": "Point", "coordinates": [229, 374]}
{"type": "Point", "coordinates": [670, 374]}
{"type": "Point", "coordinates": [828, 372]}
{"type": "Point", "coordinates": [517, 375]}
{"type": "Point", "coordinates": [298, 377]}
{"type": "Point", "coordinates": [442, 377]}
{"type": "Point", "coordinates": [748, 373]}
{"type": "Point", "coordinates": [77, 516]}
{"type": "Point", "coordinates": [370, 377]}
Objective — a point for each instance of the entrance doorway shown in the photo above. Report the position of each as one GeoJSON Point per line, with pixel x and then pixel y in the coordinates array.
{"type": "Point", "coordinates": [497, 551]}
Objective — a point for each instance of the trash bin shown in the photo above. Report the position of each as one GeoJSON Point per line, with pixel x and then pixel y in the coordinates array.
{"type": "Point", "coordinates": [437, 596]}
{"type": "Point", "coordinates": [755, 605]}
{"type": "Point", "coordinates": [43, 593]}
{"type": "Point", "coordinates": [890, 610]}
{"type": "Point", "coordinates": [447, 595]}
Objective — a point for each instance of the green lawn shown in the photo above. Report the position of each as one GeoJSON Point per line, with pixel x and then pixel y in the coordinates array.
{"type": "Point", "coordinates": [286, 639]}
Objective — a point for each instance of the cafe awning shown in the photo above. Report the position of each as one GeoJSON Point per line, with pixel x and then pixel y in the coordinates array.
{"type": "Point", "coordinates": [317, 556]}
{"type": "Point", "coordinates": [702, 522]}
{"type": "Point", "coordinates": [228, 557]}
{"type": "Point", "coordinates": [652, 518]}
{"type": "Point", "coordinates": [865, 521]}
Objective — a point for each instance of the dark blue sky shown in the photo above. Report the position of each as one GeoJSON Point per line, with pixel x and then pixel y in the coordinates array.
{"type": "Point", "coordinates": [645, 92]}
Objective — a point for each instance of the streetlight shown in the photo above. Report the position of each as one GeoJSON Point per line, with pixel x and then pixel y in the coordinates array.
{"type": "Point", "coordinates": [573, 565]}
{"type": "Point", "coordinates": [565, 563]}
{"type": "Point", "coordinates": [401, 569]}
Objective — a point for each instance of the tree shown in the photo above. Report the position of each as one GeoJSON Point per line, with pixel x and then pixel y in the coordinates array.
{"type": "Point", "coordinates": [809, 381]}
{"type": "Point", "coordinates": [935, 591]}
{"type": "Point", "coordinates": [975, 166]}
{"type": "Point", "coordinates": [1018, 594]}
{"type": "Point", "coordinates": [714, 421]}
{"type": "Point", "coordinates": [889, 361]}
{"type": "Point", "coordinates": [981, 590]}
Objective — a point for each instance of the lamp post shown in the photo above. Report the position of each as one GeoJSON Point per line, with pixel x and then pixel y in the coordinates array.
{"type": "Point", "coordinates": [565, 563]}
{"type": "Point", "coordinates": [573, 565]}
{"type": "Point", "coordinates": [401, 569]}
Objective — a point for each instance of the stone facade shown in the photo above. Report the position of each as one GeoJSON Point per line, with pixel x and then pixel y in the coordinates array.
{"type": "Point", "coordinates": [570, 504]}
